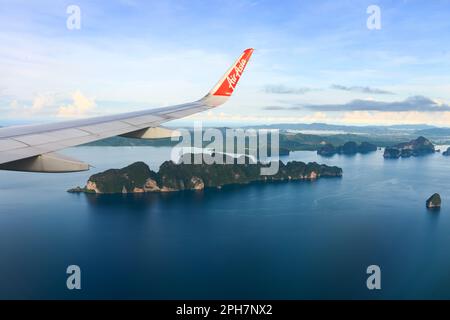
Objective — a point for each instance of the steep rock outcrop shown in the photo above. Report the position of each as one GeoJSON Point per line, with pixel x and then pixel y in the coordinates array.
{"type": "Point", "coordinates": [138, 178]}
{"type": "Point", "coordinates": [418, 147]}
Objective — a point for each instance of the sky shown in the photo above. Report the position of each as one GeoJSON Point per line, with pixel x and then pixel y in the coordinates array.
{"type": "Point", "coordinates": [314, 61]}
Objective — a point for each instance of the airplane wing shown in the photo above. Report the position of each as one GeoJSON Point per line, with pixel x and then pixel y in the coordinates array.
{"type": "Point", "coordinates": [32, 147]}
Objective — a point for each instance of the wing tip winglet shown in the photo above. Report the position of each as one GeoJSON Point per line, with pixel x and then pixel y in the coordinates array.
{"type": "Point", "coordinates": [228, 82]}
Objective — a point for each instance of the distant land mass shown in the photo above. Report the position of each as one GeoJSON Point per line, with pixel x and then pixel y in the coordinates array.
{"type": "Point", "coordinates": [348, 148]}
{"type": "Point", "coordinates": [312, 137]}
{"type": "Point", "coordinates": [131, 142]}
{"type": "Point", "coordinates": [138, 178]}
{"type": "Point", "coordinates": [288, 141]}
{"type": "Point", "coordinates": [163, 142]}
{"type": "Point", "coordinates": [434, 132]}
{"type": "Point", "coordinates": [345, 128]}
{"type": "Point", "coordinates": [418, 147]}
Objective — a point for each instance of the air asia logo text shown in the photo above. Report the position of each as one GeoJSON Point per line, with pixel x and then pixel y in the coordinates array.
{"type": "Point", "coordinates": [238, 69]}
{"type": "Point", "coordinates": [230, 80]}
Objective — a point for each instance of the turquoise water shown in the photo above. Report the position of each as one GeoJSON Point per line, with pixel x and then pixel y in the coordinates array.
{"type": "Point", "coordinates": [286, 240]}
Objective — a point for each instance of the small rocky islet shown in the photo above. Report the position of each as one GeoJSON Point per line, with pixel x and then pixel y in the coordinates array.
{"type": "Point", "coordinates": [446, 152]}
{"type": "Point", "coordinates": [434, 202]}
{"type": "Point", "coordinates": [414, 148]}
{"type": "Point", "coordinates": [138, 178]}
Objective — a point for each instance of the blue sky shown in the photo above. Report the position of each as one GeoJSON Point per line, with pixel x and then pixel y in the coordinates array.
{"type": "Point", "coordinates": [315, 61]}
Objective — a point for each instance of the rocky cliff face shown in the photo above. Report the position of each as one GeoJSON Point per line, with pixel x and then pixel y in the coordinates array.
{"type": "Point", "coordinates": [138, 178]}
{"type": "Point", "coordinates": [418, 147]}
{"type": "Point", "coordinates": [434, 202]}
{"type": "Point", "coordinates": [446, 152]}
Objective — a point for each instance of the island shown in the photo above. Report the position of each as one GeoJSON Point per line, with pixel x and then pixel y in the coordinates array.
{"type": "Point", "coordinates": [348, 148]}
{"type": "Point", "coordinates": [138, 178]}
{"type": "Point", "coordinates": [446, 152]}
{"type": "Point", "coordinates": [418, 147]}
{"type": "Point", "coordinates": [434, 202]}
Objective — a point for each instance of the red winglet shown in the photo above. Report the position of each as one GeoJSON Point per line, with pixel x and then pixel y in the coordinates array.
{"type": "Point", "coordinates": [229, 81]}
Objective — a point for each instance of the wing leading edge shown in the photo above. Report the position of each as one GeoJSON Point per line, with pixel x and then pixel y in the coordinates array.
{"type": "Point", "coordinates": [32, 147]}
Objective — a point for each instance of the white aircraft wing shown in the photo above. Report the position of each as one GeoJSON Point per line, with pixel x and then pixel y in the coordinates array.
{"type": "Point", "coordinates": [32, 147]}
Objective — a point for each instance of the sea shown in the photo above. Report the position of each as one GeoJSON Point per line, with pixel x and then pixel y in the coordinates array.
{"type": "Point", "coordinates": [287, 240]}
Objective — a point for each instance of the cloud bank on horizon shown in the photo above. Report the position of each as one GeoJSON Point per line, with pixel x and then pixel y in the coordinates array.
{"type": "Point", "coordinates": [314, 61]}
{"type": "Point", "coordinates": [360, 89]}
{"type": "Point", "coordinates": [415, 103]}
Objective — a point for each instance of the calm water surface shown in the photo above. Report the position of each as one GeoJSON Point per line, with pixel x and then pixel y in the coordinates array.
{"type": "Point", "coordinates": [285, 240]}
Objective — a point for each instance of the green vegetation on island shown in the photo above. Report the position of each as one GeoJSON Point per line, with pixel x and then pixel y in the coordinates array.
{"type": "Point", "coordinates": [418, 147]}
{"type": "Point", "coordinates": [446, 152]}
{"type": "Point", "coordinates": [434, 202]}
{"type": "Point", "coordinates": [138, 178]}
{"type": "Point", "coordinates": [348, 148]}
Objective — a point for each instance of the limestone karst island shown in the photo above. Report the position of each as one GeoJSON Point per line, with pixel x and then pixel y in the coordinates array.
{"type": "Point", "coordinates": [138, 178]}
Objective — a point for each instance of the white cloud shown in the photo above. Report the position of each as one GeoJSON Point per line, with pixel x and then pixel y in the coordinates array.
{"type": "Point", "coordinates": [40, 102]}
{"type": "Point", "coordinates": [14, 105]}
{"type": "Point", "coordinates": [349, 118]}
{"type": "Point", "coordinates": [228, 117]}
{"type": "Point", "coordinates": [80, 106]}
{"type": "Point", "coordinates": [389, 118]}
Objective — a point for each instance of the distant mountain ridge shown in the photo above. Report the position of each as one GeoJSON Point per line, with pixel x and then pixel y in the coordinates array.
{"type": "Point", "coordinates": [434, 132]}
